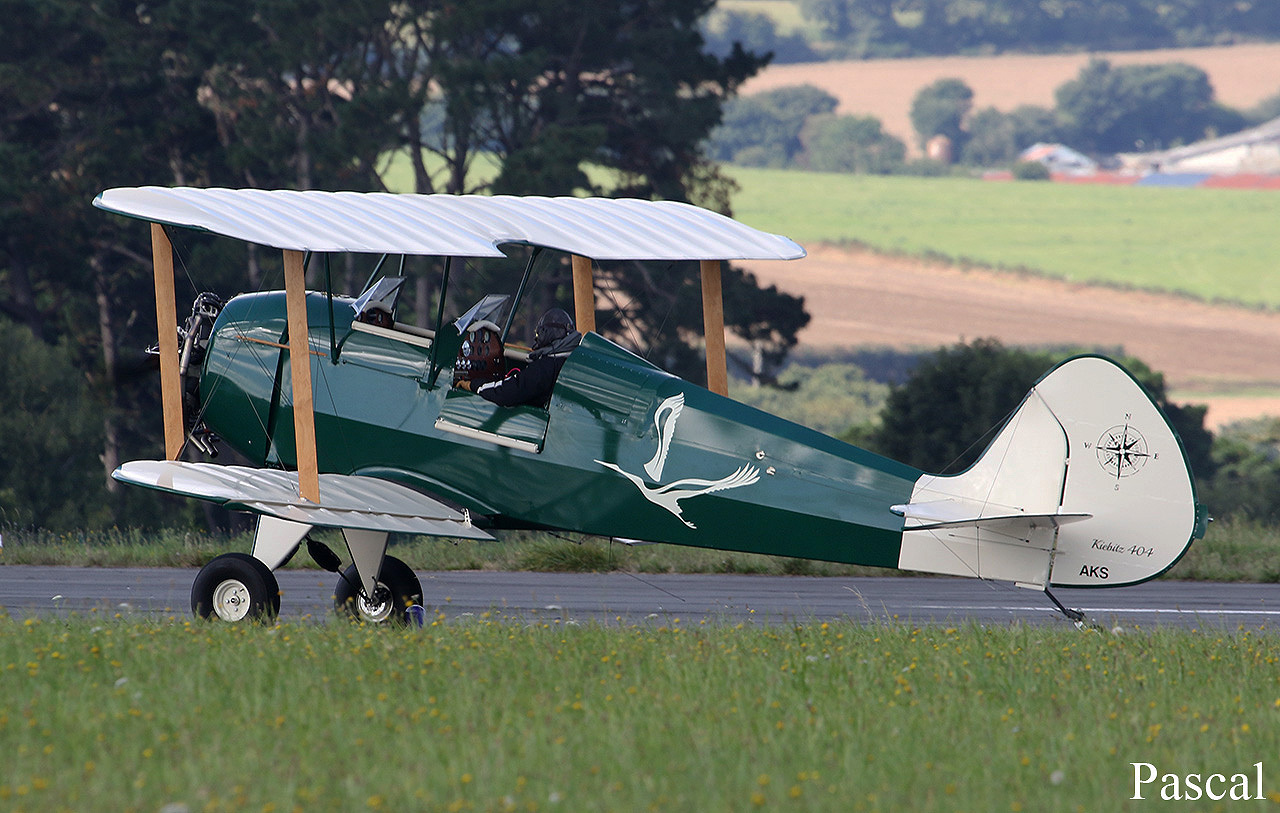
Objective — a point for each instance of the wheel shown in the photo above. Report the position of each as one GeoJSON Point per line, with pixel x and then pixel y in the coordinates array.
{"type": "Point", "coordinates": [235, 587]}
{"type": "Point", "coordinates": [396, 590]}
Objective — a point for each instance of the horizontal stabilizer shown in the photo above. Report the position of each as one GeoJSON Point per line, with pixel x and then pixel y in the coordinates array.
{"type": "Point", "coordinates": [946, 514]}
{"type": "Point", "coordinates": [346, 500]}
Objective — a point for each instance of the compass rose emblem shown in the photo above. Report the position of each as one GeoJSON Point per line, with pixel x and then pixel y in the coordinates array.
{"type": "Point", "coordinates": [1122, 451]}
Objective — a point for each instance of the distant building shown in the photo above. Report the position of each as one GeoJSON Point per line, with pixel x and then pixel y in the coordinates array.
{"type": "Point", "coordinates": [1256, 150]}
{"type": "Point", "coordinates": [938, 149]}
{"type": "Point", "coordinates": [1060, 158]}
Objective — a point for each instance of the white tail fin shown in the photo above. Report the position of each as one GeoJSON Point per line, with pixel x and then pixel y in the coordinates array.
{"type": "Point", "coordinates": [1086, 485]}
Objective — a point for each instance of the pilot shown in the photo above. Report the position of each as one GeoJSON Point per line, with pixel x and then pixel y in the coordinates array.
{"type": "Point", "coordinates": [553, 340]}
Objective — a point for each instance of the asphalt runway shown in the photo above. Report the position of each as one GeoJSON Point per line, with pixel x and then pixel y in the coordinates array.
{"type": "Point", "coordinates": [647, 598]}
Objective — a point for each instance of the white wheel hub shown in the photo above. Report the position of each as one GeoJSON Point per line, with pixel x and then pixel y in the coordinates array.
{"type": "Point", "coordinates": [231, 600]}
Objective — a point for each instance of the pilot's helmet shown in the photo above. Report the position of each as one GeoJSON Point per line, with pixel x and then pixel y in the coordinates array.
{"type": "Point", "coordinates": [554, 325]}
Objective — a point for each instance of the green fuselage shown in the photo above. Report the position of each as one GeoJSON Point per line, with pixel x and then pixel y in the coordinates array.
{"type": "Point", "coordinates": [624, 449]}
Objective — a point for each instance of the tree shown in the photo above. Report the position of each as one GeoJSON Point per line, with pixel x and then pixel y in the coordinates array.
{"type": "Point", "coordinates": [551, 89]}
{"type": "Point", "coordinates": [99, 98]}
{"type": "Point", "coordinates": [941, 417]}
{"type": "Point", "coordinates": [862, 28]}
{"type": "Point", "coordinates": [1106, 109]}
{"type": "Point", "coordinates": [764, 129]}
{"type": "Point", "coordinates": [656, 309]}
{"type": "Point", "coordinates": [829, 398]}
{"type": "Point", "coordinates": [556, 90]}
{"type": "Point", "coordinates": [297, 88]}
{"type": "Point", "coordinates": [851, 144]}
{"type": "Point", "coordinates": [1266, 110]}
{"type": "Point", "coordinates": [995, 138]}
{"type": "Point", "coordinates": [766, 318]}
{"type": "Point", "coordinates": [49, 437]}
{"type": "Point", "coordinates": [992, 140]}
{"type": "Point", "coordinates": [941, 109]}
{"type": "Point", "coordinates": [866, 27]}
{"type": "Point", "coordinates": [758, 34]}
{"type": "Point", "coordinates": [1246, 481]}
{"type": "Point", "coordinates": [833, 17]}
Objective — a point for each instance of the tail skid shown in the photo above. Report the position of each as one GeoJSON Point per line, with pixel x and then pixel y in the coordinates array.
{"type": "Point", "coordinates": [1086, 485]}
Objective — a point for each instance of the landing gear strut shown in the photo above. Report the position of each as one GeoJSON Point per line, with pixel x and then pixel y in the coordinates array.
{"type": "Point", "coordinates": [1074, 616]}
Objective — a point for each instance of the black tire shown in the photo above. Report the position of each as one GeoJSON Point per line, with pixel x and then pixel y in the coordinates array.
{"type": "Point", "coordinates": [235, 587]}
{"type": "Point", "coordinates": [396, 590]}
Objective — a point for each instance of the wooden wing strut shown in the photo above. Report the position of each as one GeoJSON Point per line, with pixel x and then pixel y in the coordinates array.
{"type": "Point", "coordinates": [713, 327]}
{"type": "Point", "coordinates": [167, 325]}
{"type": "Point", "coordinates": [584, 295]}
{"type": "Point", "coordinates": [304, 424]}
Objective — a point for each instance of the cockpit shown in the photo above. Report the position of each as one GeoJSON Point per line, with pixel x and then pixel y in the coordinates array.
{"type": "Point", "coordinates": [474, 347]}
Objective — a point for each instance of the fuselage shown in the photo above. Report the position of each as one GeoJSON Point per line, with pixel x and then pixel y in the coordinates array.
{"type": "Point", "coordinates": [623, 450]}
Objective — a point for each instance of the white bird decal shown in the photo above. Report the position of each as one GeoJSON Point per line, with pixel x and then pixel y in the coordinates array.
{"type": "Point", "coordinates": [670, 495]}
{"type": "Point", "coordinates": [666, 426]}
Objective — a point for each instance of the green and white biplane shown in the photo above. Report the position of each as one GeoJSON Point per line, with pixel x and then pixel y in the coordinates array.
{"type": "Point", "coordinates": [355, 425]}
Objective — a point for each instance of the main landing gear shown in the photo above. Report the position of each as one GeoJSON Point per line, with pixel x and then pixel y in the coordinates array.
{"type": "Point", "coordinates": [237, 587]}
{"type": "Point", "coordinates": [396, 590]}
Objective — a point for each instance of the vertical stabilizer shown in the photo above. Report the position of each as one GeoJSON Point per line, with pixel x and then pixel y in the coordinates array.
{"type": "Point", "coordinates": [1129, 471]}
{"type": "Point", "coordinates": [1086, 485]}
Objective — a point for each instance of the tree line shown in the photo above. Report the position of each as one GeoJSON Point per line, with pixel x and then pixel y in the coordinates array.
{"type": "Point", "coordinates": [864, 29]}
{"type": "Point", "coordinates": [1104, 110]}
{"type": "Point", "coordinates": [909, 27]}
{"type": "Point", "coordinates": [562, 97]}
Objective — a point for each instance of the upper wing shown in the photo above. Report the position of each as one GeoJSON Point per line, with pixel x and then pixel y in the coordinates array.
{"type": "Point", "coordinates": [454, 225]}
{"type": "Point", "coordinates": [347, 501]}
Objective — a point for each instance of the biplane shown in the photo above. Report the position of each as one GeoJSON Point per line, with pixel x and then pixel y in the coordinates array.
{"type": "Point", "coordinates": [351, 422]}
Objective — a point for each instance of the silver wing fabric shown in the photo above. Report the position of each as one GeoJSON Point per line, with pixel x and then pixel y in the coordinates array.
{"type": "Point", "coordinates": [346, 501]}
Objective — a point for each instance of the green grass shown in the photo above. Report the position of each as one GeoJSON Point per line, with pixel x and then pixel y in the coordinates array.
{"type": "Point", "coordinates": [1212, 244]}
{"type": "Point", "coordinates": [116, 547]}
{"type": "Point", "coordinates": [1231, 551]}
{"type": "Point", "coordinates": [514, 551]}
{"type": "Point", "coordinates": [492, 714]}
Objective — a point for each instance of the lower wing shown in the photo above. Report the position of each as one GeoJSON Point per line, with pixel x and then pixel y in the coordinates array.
{"type": "Point", "coordinates": [346, 500]}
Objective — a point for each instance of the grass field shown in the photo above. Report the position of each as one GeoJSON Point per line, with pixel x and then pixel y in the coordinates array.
{"type": "Point", "coordinates": [1230, 551]}
{"type": "Point", "coordinates": [1213, 244]}
{"type": "Point", "coordinates": [494, 714]}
